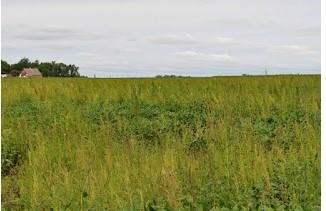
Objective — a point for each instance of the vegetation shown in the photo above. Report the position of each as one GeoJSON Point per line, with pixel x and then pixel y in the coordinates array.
{"type": "Point", "coordinates": [48, 69]}
{"type": "Point", "coordinates": [223, 143]}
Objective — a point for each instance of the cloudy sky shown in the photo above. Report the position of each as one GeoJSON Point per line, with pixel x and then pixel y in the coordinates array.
{"type": "Point", "coordinates": [121, 38]}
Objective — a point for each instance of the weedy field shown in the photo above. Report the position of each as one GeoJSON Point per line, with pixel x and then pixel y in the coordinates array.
{"type": "Point", "coordinates": [223, 143]}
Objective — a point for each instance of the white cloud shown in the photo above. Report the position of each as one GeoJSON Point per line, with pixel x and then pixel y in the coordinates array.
{"type": "Point", "coordinates": [226, 40]}
{"type": "Point", "coordinates": [297, 49]}
{"type": "Point", "coordinates": [87, 54]}
{"type": "Point", "coordinates": [309, 31]}
{"type": "Point", "coordinates": [197, 56]}
{"type": "Point", "coordinates": [185, 39]}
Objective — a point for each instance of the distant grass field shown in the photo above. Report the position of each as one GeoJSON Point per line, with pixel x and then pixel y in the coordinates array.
{"type": "Point", "coordinates": [224, 143]}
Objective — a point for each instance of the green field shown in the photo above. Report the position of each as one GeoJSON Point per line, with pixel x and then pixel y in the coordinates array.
{"type": "Point", "coordinates": [223, 143]}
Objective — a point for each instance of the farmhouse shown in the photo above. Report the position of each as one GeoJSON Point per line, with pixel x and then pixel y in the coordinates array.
{"type": "Point", "coordinates": [30, 72]}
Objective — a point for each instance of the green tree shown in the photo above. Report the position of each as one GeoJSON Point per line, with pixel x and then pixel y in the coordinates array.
{"type": "Point", "coordinates": [17, 68]}
{"type": "Point", "coordinates": [5, 67]}
{"type": "Point", "coordinates": [48, 69]}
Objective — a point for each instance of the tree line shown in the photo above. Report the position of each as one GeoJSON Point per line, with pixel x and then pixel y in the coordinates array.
{"type": "Point", "coordinates": [48, 69]}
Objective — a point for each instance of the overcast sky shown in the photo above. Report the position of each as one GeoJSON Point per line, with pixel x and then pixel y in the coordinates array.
{"type": "Point", "coordinates": [121, 38]}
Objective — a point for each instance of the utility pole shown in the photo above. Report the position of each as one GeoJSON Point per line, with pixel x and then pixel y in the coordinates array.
{"type": "Point", "coordinates": [266, 73]}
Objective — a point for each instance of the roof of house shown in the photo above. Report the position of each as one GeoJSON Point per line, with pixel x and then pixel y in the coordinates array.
{"type": "Point", "coordinates": [31, 72]}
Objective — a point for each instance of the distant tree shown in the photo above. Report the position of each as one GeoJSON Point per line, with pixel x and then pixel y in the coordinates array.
{"type": "Point", "coordinates": [15, 69]}
{"type": "Point", "coordinates": [45, 69]}
{"type": "Point", "coordinates": [35, 64]}
{"type": "Point", "coordinates": [48, 69]}
{"type": "Point", "coordinates": [73, 71]}
{"type": "Point", "coordinates": [24, 63]}
{"type": "Point", "coordinates": [170, 76]}
{"type": "Point", "coordinates": [5, 67]}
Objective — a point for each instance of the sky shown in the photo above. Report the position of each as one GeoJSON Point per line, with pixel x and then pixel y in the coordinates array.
{"type": "Point", "coordinates": [144, 38]}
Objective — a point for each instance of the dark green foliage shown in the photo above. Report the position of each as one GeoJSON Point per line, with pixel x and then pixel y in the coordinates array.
{"type": "Point", "coordinates": [156, 205]}
{"type": "Point", "coordinates": [48, 69]}
{"type": "Point", "coordinates": [85, 194]}
{"type": "Point", "coordinates": [5, 67]}
{"type": "Point", "coordinates": [24, 109]}
{"type": "Point", "coordinates": [278, 126]}
{"type": "Point", "coordinates": [198, 145]}
{"type": "Point", "coordinates": [15, 69]}
{"type": "Point", "coordinates": [54, 69]}
{"type": "Point", "coordinates": [11, 156]}
{"type": "Point", "coordinates": [265, 129]}
{"type": "Point", "coordinates": [147, 121]}
{"type": "Point", "coordinates": [256, 195]}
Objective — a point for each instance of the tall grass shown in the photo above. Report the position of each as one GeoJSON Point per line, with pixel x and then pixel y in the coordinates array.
{"type": "Point", "coordinates": [225, 143]}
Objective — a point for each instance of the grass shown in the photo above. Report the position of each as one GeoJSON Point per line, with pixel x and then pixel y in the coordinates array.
{"type": "Point", "coordinates": [224, 143]}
